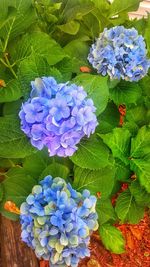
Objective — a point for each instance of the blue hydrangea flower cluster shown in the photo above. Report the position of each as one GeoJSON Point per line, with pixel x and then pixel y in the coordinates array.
{"type": "Point", "coordinates": [57, 116]}
{"type": "Point", "coordinates": [57, 222]}
{"type": "Point", "coordinates": [120, 53]}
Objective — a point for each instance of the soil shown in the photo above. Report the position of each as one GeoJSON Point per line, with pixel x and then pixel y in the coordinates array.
{"type": "Point", "coordinates": [137, 248]}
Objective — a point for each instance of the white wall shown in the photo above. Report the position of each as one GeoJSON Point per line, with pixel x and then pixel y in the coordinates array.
{"type": "Point", "coordinates": [142, 11]}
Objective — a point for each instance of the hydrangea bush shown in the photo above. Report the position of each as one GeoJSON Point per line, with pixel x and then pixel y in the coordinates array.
{"type": "Point", "coordinates": [74, 103]}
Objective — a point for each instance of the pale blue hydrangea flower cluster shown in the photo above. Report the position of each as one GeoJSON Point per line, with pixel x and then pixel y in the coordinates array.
{"type": "Point", "coordinates": [57, 222]}
{"type": "Point", "coordinates": [57, 116]}
{"type": "Point", "coordinates": [120, 53]}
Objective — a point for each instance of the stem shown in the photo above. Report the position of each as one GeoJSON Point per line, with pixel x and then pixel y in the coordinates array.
{"type": "Point", "coordinates": [4, 62]}
{"type": "Point", "coordinates": [3, 174]}
{"type": "Point", "coordinates": [9, 32]}
{"type": "Point", "coordinates": [10, 66]}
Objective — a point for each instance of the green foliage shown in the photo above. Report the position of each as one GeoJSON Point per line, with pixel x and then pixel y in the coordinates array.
{"type": "Point", "coordinates": [10, 108]}
{"type": "Point", "coordinates": [147, 33]}
{"type": "Point", "coordinates": [14, 23]}
{"type": "Point", "coordinates": [53, 38]}
{"type": "Point", "coordinates": [16, 187]}
{"type": "Point", "coordinates": [55, 170]}
{"type": "Point", "coordinates": [41, 44]}
{"type": "Point", "coordinates": [140, 195]}
{"type": "Point", "coordinates": [141, 143]}
{"type": "Point", "coordinates": [119, 7]}
{"type": "Point", "coordinates": [92, 154]}
{"type": "Point", "coordinates": [123, 172]}
{"type": "Point", "coordinates": [78, 50]}
{"type": "Point", "coordinates": [109, 119]}
{"type": "Point", "coordinates": [142, 169]}
{"type": "Point", "coordinates": [119, 143]}
{"type": "Point", "coordinates": [71, 27]}
{"type": "Point", "coordinates": [97, 89]}
{"type": "Point", "coordinates": [13, 143]}
{"type": "Point", "coordinates": [36, 163]}
{"type": "Point", "coordinates": [32, 68]}
{"type": "Point", "coordinates": [127, 209]}
{"type": "Point", "coordinates": [112, 238]}
{"type": "Point", "coordinates": [101, 181]}
{"type": "Point", "coordinates": [140, 157]}
{"type": "Point", "coordinates": [11, 92]}
{"type": "Point", "coordinates": [125, 93]}
{"type": "Point", "coordinates": [106, 212]}
{"type": "Point", "coordinates": [138, 115]}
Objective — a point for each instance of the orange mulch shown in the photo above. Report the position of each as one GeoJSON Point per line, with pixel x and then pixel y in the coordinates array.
{"type": "Point", "coordinates": [137, 248]}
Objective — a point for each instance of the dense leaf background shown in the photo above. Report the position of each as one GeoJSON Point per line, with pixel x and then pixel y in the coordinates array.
{"type": "Point", "coordinates": [53, 38]}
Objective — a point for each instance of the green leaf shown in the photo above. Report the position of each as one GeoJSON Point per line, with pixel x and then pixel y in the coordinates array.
{"type": "Point", "coordinates": [97, 88]}
{"type": "Point", "coordinates": [65, 67]}
{"type": "Point", "coordinates": [20, 49]}
{"type": "Point", "coordinates": [145, 85]}
{"type": "Point", "coordinates": [77, 9]}
{"type": "Point", "coordinates": [32, 68]}
{"type": "Point", "coordinates": [29, 69]}
{"type": "Point", "coordinates": [71, 27]}
{"type": "Point", "coordinates": [91, 26]}
{"type": "Point", "coordinates": [109, 119]}
{"type": "Point", "coordinates": [43, 45]}
{"type": "Point", "coordinates": [127, 209]}
{"type": "Point", "coordinates": [11, 92]}
{"type": "Point", "coordinates": [4, 5]}
{"type": "Point", "coordinates": [91, 154]}
{"type": "Point", "coordinates": [118, 6]}
{"type": "Point", "coordinates": [17, 186]}
{"type": "Point", "coordinates": [10, 108]}
{"type": "Point", "coordinates": [119, 143]}
{"type": "Point", "coordinates": [131, 127]}
{"type": "Point", "coordinates": [55, 170]}
{"type": "Point", "coordinates": [105, 211]}
{"type": "Point", "coordinates": [147, 33]}
{"type": "Point", "coordinates": [54, 72]}
{"type": "Point", "coordinates": [142, 198]}
{"type": "Point", "coordinates": [142, 169]}
{"type": "Point", "coordinates": [116, 188]}
{"type": "Point", "coordinates": [9, 163]}
{"type": "Point", "coordinates": [95, 181]}
{"type": "Point", "coordinates": [21, 17]}
{"type": "Point", "coordinates": [39, 43]}
{"type": "Point", "coordinates": [112, 238]}
{"type": "Point", "coordinates": [140, 145]}
{"type": "Point", "coordinates": [13, 143]}
{"type": "Point", "coordinates": [125, 93]}
{"type": "Point", "coordinates": [122, 171]}
{"type": "Point", "coordinates": [102, 5]}
{"type": "Point", "coordinates": [36, 163]}
{"type": "Point", "coordinates": [77, 50]}
{"type": "Point", "coordinates": [138, 115]}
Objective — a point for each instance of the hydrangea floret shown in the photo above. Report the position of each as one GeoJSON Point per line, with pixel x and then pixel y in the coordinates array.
{"type": "Point", "coordinates": [57, 222]}
{"type": "Point", "coordinates": [121, 53]}
{"type": "Point", "coordinates": [57, 116]}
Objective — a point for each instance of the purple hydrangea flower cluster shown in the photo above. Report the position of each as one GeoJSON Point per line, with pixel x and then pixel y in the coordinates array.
{"type": "Point", "coordinates": [57, 222]}
{"type": "Point", "coordinates": [120, 53]}
{"type": "Point", "coordinates": [57, 116]}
